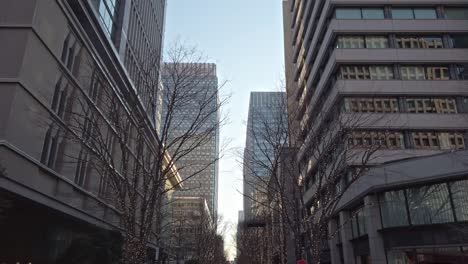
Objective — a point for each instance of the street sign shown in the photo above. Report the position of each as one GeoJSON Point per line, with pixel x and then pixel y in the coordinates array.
{"type": "Point", "coordinates": [301, 262]}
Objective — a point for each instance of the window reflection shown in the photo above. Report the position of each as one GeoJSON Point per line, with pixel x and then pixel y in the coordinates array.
{"type": "Point", "coordinates": [430, 204]}
{"type": "Point", "coordinates": [460, 199]}
{"type": "Point", "coordinates": [107, 12]}
{"type": "Point", "coordinates": [393, 206]}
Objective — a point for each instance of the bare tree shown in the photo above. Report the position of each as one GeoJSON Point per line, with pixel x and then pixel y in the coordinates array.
{"type": "Point", "coordinates": [309, 167]}
{"type": "Point", "coordinates": [113, 136]}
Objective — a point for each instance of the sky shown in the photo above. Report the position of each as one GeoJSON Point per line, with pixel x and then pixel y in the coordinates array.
{"type": "Point", "coordinates": [245, 40]}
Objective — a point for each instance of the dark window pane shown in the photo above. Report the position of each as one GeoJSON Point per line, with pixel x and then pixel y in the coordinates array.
{"type": "Point", "coordinates": [456, 13]}
{"type": "Point", "coordinates": [393, 207]}
{"type": "Point", "coordinates": [430, 205]}
{"type": "Point", "coordinates": [348, 13]}
{"type": "Point", "coordinates": [425, 13]}
{"type": "Point", "coordinates": [373, 13]}
{"type": "Point", "coordinates": [460, 41]}
{"type": "Point", "coordinates": [402, 13]}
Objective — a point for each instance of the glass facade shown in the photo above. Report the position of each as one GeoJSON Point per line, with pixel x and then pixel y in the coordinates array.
{"type": "Point", "coordinates": [393, 208]}
{"type": "Point", "coordinates": [358, 222]}
{"type": "Point", "coordinates": [459, 191]}
{"type": "Point", "coordinates": [373, 13]}
{"type": "Point", "coordinates": [348, 13]}
{"type": "Point", "coordinates": [429, 204]}
{"type": "Point", "coordinates": [414, 13]}
{"type": "Point", "coordinates": [107, 12]}
{"type": "Point", "coordinates": [359, 13]}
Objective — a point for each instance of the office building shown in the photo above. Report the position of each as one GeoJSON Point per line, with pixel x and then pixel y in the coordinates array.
{"type": "Point", "coordinates": [266, 116]}
{"type": "Point", "coordinates": [190, 217]}
{"type": "Point", "coordinates": [54, 52]}
{"type": "Point", "coordinates": [198, 90]}
{"type": "Point", "coordinates": [404, 66]}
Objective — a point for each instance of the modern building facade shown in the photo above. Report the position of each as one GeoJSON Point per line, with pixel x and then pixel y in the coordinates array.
{"type": "Point", "coordinates": [198, 168]}
{"type": "Point", "coordinates": [410, 211]}
{"type": "Point", "coordinates": [402, 64]}
{"type": "Point", "coordinates": [189, 215]}
{"type": "Point", "coordinates": [267, 114]}
{"type": "Point", "coordinates": [54, 52]}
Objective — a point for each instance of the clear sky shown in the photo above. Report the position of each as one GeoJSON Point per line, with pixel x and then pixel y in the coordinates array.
{"type": "Point", "coordinates": [245, 39]}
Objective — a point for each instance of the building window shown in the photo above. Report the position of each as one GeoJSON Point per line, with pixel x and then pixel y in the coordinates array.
{"type": "Point", "coordinates": [389, 140]}
{"type": "Point", "coordinates": [107, 15]}
{"type": "Point", "coordinates": [456, 13]}
{"type": "Point", "coordinates": [414, 13]}
{"type": "Point", "coordinates": [459, 41]}
{"type": "Point", "coordinates": [360, 42]}
{"type": "Point", "coordinates": [103, 184]}
{"type": "Point", "coordinates": [425, 73]}
{"type": "Point", "coordinates": [430, 204]}
{"type": "Point", "coordinates": [348, 13]}
{"type": "Point", "coordinates": [412, 73]}
{"type": "Point", "coordinates": [358, 222]}
{"type": "Point", "coordinates": [459, 191]}
{"type": "Point", "coordinates": [462, 72]}
{"type": "Point", "coordinates": [372, 105]}
{"type": "Point", "coordinates": [432, 105]}
{"type": "Point", "coordinates": [437, 73]}
{"type": "Point", "coordinates": [372, 13]}
{"type": "Point", "coordinates": [381, 72]}
{"type": "Point", "coordinates": [425, 13]}
{"type": "Point", "coordinates": [359, 13]}
{"type": "Point", "coordinates": [402, 13]}
{"type": "Point", "coordinates": [364, 72]}
{"type": "Point", "coordinates": [350, 42]}
{"type": "Point", "coordinates": [50, 147]}
{"type": "Point", "coordinates": [451, 140]}
{"type": "Point", "coordinates": [376, 42]}
{"type": "Point", "coordinates": [393, 208]}
{"type": "Point", "coordinates": [441, 140]}
{"type": "Point", "coordinates": [419, 42]}
{"type": "Point", "coordinates": [82, 168]}
{"type": "Point", "coordinates": [425, 140]}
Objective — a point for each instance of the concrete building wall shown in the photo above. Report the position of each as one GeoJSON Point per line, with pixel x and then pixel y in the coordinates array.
{"type": "Point", "coordinates": [314, 63]}
{"type": "Point", "coordinates": [34, 37]}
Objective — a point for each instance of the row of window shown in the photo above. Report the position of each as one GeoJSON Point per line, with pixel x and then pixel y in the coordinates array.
{"type": "Point", "coordinates": [402, 42]}
{"type": "Point", "coordinates": [443, 105]}
{"type": "Point", "coordinates": [400, 13]}
{"type": "Point", "coordinates": [403, 72]}
{"type": "Point", "coordinates": [430, 204]}
{"type": "Point", "coordinates": [416, 139]}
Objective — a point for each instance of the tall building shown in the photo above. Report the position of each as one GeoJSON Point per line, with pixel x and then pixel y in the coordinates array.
{"type": "Point", "coordinates": [403, 65]}
{"type": "Point", "coordinates": [266, 114]}
{"type": "Point", "coordinates": [199, 168]}
{"type": "Point", "coordinates": [55, 53]}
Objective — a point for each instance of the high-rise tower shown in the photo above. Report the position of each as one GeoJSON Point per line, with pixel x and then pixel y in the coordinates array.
{"type": "Point", "coordinates": [267, 114]}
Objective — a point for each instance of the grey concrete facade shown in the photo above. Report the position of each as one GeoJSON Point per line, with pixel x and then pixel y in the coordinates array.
{"type": "Point", "coordinates": [51, 47]}
{"type": "Point", "coordinates": [318, 57]}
